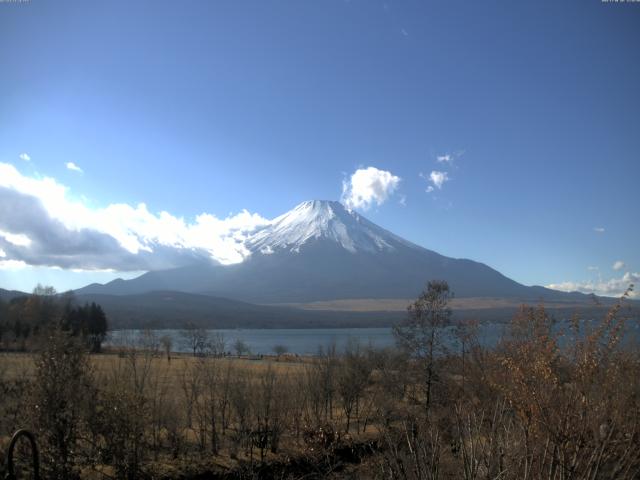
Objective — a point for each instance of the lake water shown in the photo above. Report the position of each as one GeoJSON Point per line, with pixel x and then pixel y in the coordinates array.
{"type": "Point", "coordinates": [297, 341]}
{"type": "Point", "coordinates": [262, 341]}
{"type": "Point", "coordinates": [309, 341]}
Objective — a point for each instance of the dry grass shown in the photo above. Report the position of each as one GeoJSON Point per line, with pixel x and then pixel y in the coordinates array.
{"type": "Point", "coordinates": [22, 365]}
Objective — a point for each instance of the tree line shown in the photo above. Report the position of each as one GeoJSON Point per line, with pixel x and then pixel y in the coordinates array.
{"type": "Point", "coordinates": [26, 320]}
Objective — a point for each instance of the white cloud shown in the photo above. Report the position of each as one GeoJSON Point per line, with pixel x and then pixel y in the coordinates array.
{"type": "Point", "coordinates": [438, 178]}
{"type": "Point", "coordinates": [613, 287]}
{"type": "Point", "coordinates": [25, 157]}
{"type": "Point", "coordinates": [404, 32]}
{"type": "Point", "coordinates": [619, 265]}
{"type": "Point", "coordinates": [18, 240]}
{"type": "Point", "coordinates": [73, 166]}
{"type": "Point", "coordinates": [368, 186]}
{"type": "Point", "coordinates": [41, 225]}
{"type": "Point", "coordinates": [449, 158]}
{"type": "Point", "coordinates": [592, 268]}
{"type": "Point", "coordinates": [12, 265]}
{"type": "Point", "coordinates": [598, 229]}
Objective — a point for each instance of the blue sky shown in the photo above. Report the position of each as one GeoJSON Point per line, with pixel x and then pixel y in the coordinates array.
{"type": "Point", "coordinates": [218, 107]}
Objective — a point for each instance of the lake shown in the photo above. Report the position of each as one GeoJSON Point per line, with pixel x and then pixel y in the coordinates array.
{"type": "Point", "coordinates": [297, 341]}
{"type": "Point", "coordinates": [262, 341]}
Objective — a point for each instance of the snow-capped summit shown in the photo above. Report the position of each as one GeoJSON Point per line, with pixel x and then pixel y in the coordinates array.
{"type": "Point", "coordinates": [323, 220]}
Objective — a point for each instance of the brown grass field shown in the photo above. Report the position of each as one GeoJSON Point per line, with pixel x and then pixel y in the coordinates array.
{"type": "Point", "coordinates": [14, 365]}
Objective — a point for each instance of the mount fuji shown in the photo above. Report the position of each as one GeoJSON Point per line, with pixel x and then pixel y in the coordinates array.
{"type": "Point", "coordinates": [322, 251]}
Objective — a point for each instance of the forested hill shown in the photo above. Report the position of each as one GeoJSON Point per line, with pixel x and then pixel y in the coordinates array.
{"type": "Point", "coordinates": [26, 320]}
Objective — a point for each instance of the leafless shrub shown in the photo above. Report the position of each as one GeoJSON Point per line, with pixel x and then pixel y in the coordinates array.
{"type": "Point", "coordinates": [61, 390]}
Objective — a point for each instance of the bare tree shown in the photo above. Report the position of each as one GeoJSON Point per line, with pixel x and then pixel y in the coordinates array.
{"type": "Point", "coordinates": [280, 349]}
{"type": "Point", "coordinates": [268, 412]}
{"type": "Point", "coordinates": [321, 385]}
{"type": "Point", "coordinates": [352, 379]}
{"type": "Point", "coordinates": [420, 334]}
{"type": "Point", "coordinates": [62, 387]}
{"type": "Point", "coordinates": [166, 343]}
{"type": "Point", "coordinates": [195, 339]}
{"type": "Point", "coordinates": [241, 347]}
{"type": "Point", "coordinates": [216, 345]}
{"type": "Point", "coordinates": [126, 405]}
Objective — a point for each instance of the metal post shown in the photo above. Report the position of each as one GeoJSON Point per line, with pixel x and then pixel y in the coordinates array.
{"type": "Point", "coordinates": [34, 454]}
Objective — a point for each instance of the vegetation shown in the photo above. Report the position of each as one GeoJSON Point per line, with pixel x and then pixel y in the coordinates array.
{"type": "Point", "coordinates": [420, 334]}
{"type": "Point", "coordinates": [25, 321]}
{"type": "Point", "coordinates": [543, 404]}
{"type": "Point", "coordinates": [280, 350]}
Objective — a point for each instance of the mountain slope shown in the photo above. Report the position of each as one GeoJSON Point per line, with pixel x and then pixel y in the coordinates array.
{"type": "Point", "coordinates": [7, 295]}
{"type": "Point", "coordinates": [321, 251]}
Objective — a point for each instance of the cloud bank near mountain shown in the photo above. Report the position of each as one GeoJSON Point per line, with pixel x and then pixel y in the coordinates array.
{"type": "Point", "coordinates": [41, 225]}
{"type": "Point", "coordinates": [613, 287]}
